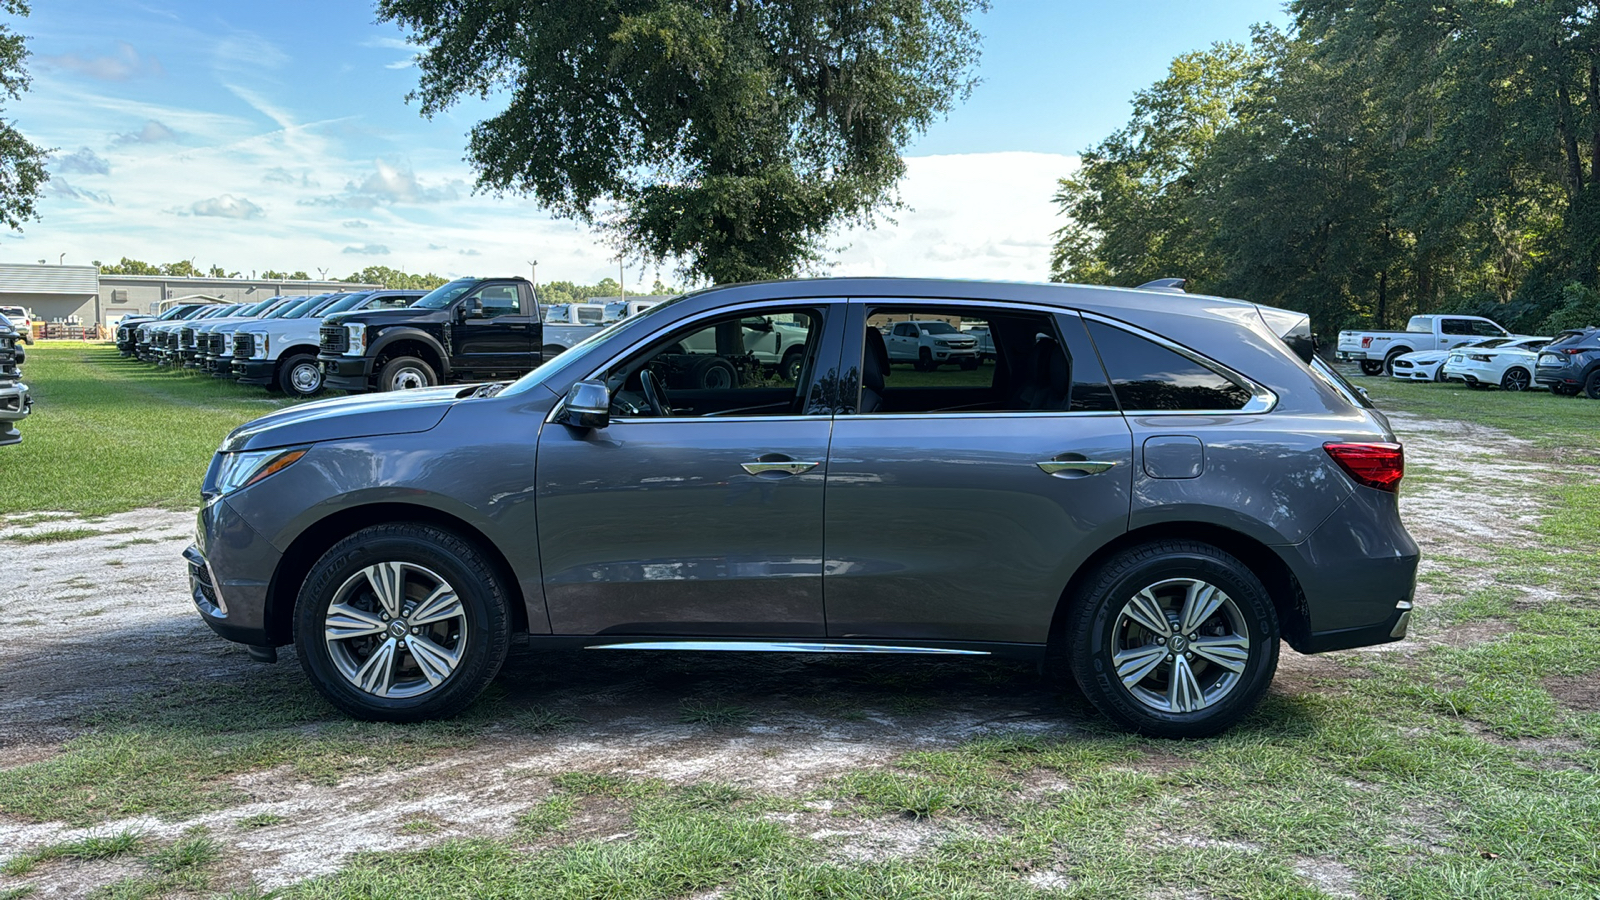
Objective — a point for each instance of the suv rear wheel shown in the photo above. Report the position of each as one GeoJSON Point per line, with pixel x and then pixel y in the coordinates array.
{"type": "Point", "coordinates": [1173, 639]}
{"type": "Point", "coordinates": [1591, 385]}
{"type": "Point", "coordinates": [402, 623]}
{"type": "Point", "coordinates": [405, 372]}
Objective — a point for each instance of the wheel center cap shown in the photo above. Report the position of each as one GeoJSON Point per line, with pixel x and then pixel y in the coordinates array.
{"type": "Point", "coordinates": [397, 628]}
{"type": "Point", "coordinates": [1178, 643]}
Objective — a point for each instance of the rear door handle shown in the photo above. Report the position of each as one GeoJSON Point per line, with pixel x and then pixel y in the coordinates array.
{"type": "Point", "coordinates": [778, 464]}
{"type": "Point", "coordinates": [1078, 466]}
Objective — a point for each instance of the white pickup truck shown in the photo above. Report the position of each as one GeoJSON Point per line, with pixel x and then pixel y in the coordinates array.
{"type": "Point", "coordinates": [1377, 350]}
{"type": "Point", "coordinates": [929, 345]}
{"type": "Point", "coordinates": [565, 324]}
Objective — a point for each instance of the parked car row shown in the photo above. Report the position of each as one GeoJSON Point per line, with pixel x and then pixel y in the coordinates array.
{"type": "Point", "coordinates": [1480, 354]}
{"type": "Point", "coordinates": [15, 400]}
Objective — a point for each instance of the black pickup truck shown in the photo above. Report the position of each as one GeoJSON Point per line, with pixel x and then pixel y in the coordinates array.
{"type": "Point", "coordinates": [468, 330]}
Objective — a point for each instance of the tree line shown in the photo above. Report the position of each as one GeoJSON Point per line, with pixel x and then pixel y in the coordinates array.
{"type": "Point", "coordinates": [1377, 159]}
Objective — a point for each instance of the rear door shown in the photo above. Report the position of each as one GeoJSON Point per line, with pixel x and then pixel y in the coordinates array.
{"type": "Point", "coordinates": [959, 509]}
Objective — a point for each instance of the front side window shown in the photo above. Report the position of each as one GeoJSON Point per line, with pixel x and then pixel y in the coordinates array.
{"type": "Point", "coordinates": [977, 359]}
{"type": "Point", "coordinates": [1456, 326]}
{"type": "Point", "coordinates": [1486, 329]}
{"type": "Point", "coordinates": [1147, 376]}
{"type": "Point", "coordinates": [749, 364]}
{"type": "Point", "coordinates": [500, 300]}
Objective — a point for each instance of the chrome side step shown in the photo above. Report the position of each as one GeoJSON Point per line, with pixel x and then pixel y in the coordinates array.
{"type": "Point", "coordinates": [784, 647]}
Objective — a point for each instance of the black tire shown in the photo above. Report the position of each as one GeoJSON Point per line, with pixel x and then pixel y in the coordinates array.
{"type": "Point", "coordinates": [481, 633]}
{"type": "Point", "coordinates": [1371, 367]}
{"type": "Point", "coordinates": [298, 376]}
{"type": "Point", "coordinates": [713, 374]}
{"type": "Point", "coordinates": [925, 361]}
{"type": "Point", "coordinates": [1388, 361]}
{"type": "Point", "coordinates": [404, 372]}
{"type": "Point", "coordinates": [1563, 390]}
{"type": "Point", "coordinates": [793, 361]}
{"type": "Point", "coordinates": [1095, 623]}
{"type": "Point", "coordinates": [1591, 385]}
{"type": "Point", "coordinates": [967, 365]}
{"type": "Point", "coordinates": [1516, 378]}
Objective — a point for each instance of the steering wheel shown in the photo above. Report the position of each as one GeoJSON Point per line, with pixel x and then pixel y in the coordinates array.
{"type": "Point", "coordinates": [653, 394]}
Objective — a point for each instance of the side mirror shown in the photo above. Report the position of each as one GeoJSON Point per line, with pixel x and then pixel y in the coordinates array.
{"type": "Point", "coordinates": [470, 309]}
{"type": "Point", "coordinates": [588, 405]}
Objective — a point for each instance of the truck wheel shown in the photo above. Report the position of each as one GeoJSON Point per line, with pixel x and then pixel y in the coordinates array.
{"type": "Point", "coordinates": [405, 372]}
{"type": "Point", "coordinates": [925, 361]}
{"type": "Point", "coordinates": [967, 365]}
{"type": "Point", "coordinates": [402, 622]}
{"type": "Point", "coordinates": [1173, 639]}
{"type": "Point", "coordinates": [299, 376]}
{"type": "Point", "coordinates": [713, 374]}
{"type": "Point", "coordinates": [1371, 367]}
{"type": "Point", "coordinates": [1388, 361]}
{"type": "Point", "coordinates": [789, 369]}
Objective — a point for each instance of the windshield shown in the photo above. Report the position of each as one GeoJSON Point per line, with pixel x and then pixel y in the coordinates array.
{"type": "Point", "coordinates": [1494, 343]}
{"type": "Point", "coordinates": [344, 303]}
{"type": "Point", "coordinates": [445, 294]}
{"type": "Point", "coordinates": [321, 308]}
{"type": "Point", "coordinates": [936, 328]}
{"type": "Point", "coordinates": [13, 312]}
{"type": "Point", "coordinates": [556, 368]}
{"type": "Point", "coordinates": [297, 310]}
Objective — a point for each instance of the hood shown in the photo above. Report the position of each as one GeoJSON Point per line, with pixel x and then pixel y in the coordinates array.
{"type": "Point", "coordinates": [1427, 356]}
{"type": "Point", "coordinates": [343, 418]}
{"type": "Point", "coordinates": [402, 313]}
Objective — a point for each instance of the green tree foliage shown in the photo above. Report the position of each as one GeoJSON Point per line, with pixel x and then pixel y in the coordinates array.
{"type": "Point", "coordinates": [394, 278]}
{"type": "Point", "coordinates": [1381, 158]}
{"type": "Point", "coordinates": [730, 136]}
{"type": "Point", "coordinates": [22, 163]}
{"type": "Point", "coordinates": [128, 267]}
{"type": "Point", "coordinates": [275, 275]}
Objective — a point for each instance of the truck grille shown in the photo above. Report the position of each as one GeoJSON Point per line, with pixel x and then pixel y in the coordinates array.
{"type": "Point", "coordinates": [244, 344]}
{"type": "Point", "coordinates": [333, 339]}
{"type": "Point", "coordinates": [186, 337]}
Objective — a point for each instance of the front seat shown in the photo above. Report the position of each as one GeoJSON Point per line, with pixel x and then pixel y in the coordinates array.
{"type": "Point", "coordinates": [874, 368]}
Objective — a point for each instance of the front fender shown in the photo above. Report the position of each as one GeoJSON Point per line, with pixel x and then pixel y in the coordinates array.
{"type": "Point", "coordinates": [393, 335]}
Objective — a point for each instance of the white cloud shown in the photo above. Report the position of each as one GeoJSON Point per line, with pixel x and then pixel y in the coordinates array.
{"type": "Point", "coordinates": [226, 206]}
{"type": "Point", "coordinates": [368, 250]}
{"type": "Point", "coordinates": [391, 183]}
{"type": "Point", "coordinates": [978, 215]}
{"type": "Point", "coordinates": [59, 187]}
{"type": "Point", "coordinates": [123, 64]}
{"type": "Point", "coordinates": [83, 162]}
{"type": "Point", "coordinates": [153, 132]}
{"type": "Point", "coordinates": [354, 223]}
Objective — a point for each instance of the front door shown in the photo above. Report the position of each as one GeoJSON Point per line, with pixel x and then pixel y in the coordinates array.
{"type": "Point", "coordinates": [698, 510]}
{"type": "Point", "coordinates": [502, 339]}
{"type": "Point", "coordinates": [961, 503]}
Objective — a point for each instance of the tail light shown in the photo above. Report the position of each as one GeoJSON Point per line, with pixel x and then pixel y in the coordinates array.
{"type": "Point", "coordinates": [1376, 465]}
{"type": "Point", "coordinates": [1366, 342]}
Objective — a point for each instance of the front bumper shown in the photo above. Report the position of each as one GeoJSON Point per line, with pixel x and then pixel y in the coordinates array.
{"type": "Point", "coordinates": [1428, 372]}
{"type": "Point", "coordinates": [346, 373]}
{"type": "Point", "coordinates": [254, 371]}
{"type": "Point", "coordinates": [230, 574]}
{"type": "Point", "coordinates": [954, 355]}
{"type": "Point", "coordinates": [15, 405]}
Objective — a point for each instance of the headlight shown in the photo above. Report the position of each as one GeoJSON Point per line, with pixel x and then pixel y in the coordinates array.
{"type": "Point", "coordinates": [357, 333]}
{"type": "Point", "coordinates": [259, 349]}
{"type": "Point", "coordinates": [240, 470]}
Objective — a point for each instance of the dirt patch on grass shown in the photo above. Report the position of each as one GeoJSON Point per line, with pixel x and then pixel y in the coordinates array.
{"type": "Point", "coordinates": [1472, 633]}
{"type": "Point", "coordinates": [1576, 692]}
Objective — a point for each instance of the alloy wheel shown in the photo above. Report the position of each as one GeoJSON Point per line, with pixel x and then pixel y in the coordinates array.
{"type": "Point", "coordinates": [1180, 645]}
{"type": "Point", "coordinates": [396, 630]}
{"type": "Point", "coordinates": [1516, 379]}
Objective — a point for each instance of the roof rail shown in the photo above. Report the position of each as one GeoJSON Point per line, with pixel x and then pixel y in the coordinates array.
{"type": "Point", "coordinates": [1170, 285]}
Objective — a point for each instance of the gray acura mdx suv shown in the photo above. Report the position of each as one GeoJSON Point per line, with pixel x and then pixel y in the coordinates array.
{"type": "Point", "coordinates": [1151, 486]}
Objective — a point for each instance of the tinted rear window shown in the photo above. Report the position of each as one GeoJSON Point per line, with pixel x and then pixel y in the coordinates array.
{"type": "Point", "coordinates": [1148, 376]}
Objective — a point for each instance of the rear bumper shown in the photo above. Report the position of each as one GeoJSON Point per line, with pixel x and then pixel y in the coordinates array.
{"type": "Point", "coordinates": [1357, 574]}
{"type": "Point", "coordinates": [1569, 376]}
{"type": "Point", "coordinates": [346, 373]}
{"type": "Point", "coordinates": [1350, 355]}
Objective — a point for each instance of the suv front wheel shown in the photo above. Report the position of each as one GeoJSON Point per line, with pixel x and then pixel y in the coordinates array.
{"type": "Point", "coordinates": [1174, 639]}
{"type": "Point", "coordinates": [402, 623]}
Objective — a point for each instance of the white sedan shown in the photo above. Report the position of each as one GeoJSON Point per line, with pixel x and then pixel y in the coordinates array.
{"type": "Point", "coordinates": [1424, 365]}
{"type": "Point", "coordinates": [1508, 363]}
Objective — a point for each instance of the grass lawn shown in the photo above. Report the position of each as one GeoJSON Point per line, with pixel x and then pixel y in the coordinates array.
{"type": "Point", "coordinates": [109, 434]}
{"type": "Point", "coordinates": [1459, 767]}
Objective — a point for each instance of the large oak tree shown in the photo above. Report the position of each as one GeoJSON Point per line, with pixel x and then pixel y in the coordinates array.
{"type": "Point", "coordinates": [22, 163]}
{"type": "Point", "coordinates": [730, 135]}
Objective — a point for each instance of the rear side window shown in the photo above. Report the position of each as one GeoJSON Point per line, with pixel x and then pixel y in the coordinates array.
{"type": "Point", "coordinates": [1148, 376]}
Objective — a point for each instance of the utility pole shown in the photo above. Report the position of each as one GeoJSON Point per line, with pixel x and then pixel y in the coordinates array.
{"type": "Point", "coordinates": [534, 264]}
{"type": "Point", "coordinates": [622, 276]}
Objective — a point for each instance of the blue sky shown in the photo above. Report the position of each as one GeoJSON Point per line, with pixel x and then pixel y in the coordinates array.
{"type": "Point", "coordinates": [276, 135]}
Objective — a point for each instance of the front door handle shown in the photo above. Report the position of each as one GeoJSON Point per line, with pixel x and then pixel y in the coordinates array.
{"type": "Point", "coordinates": [779, 464]}
{"type": "Point", "coordinates": [1079, 466]}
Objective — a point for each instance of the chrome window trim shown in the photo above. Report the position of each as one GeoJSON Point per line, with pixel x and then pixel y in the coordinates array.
{"type": "Point", "coordinates": [1262, 399]}
{"type": "Point", "coordinates": [809, 302]}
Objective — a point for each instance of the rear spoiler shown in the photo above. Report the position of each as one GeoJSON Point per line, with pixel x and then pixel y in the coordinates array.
{"type": "Point", "coordinates": [1293, 328]}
